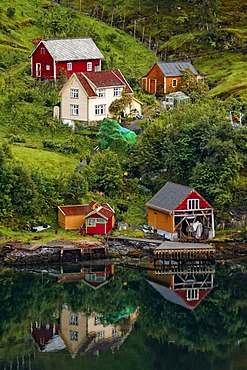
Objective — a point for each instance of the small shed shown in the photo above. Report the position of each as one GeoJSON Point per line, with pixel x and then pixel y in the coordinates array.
{"type": "Point", "coordinates": [175, 99]}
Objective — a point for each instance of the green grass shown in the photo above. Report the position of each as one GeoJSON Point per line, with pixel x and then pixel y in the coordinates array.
{"type": "Point", "coordinates": [52, 164]}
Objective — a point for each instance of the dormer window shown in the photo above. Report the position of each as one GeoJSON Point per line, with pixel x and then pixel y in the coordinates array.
{"type": "Point", "coordinates": [193, 204]}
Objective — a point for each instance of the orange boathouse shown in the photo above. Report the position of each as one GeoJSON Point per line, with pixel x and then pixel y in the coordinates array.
{"type": "Point", "coordinates": [179, 212]}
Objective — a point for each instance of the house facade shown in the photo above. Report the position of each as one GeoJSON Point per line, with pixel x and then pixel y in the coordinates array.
{"type": "Point", "coordinates": [180, 213]}
{"type": "Point", "coordinates": [166, 77]}
{"type": "Point", "coordinates": [94, 218]}
{"type": "Point", "coordinates": [87, 96]}
{"type": "Point", "coordinates": [72, 55]}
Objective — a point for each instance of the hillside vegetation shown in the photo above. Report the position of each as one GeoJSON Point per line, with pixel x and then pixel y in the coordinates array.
{"type": "Point", "coordinates": [195, 146]}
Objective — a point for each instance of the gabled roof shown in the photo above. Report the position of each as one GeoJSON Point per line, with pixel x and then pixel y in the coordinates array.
{"type": "Point", "coordinates": [104, 211]}
{"type": "Point", "coordinates": [174, 69]}
{"type": "Point", "coordinates": [169, 196]}
{"type": "Point", "coordinates": [71, 49]}
{"type": "Point", "coordinates": [176, 297]}
{"type": "Point", "coordinates": [102, 79]}
{"type": "Point", "coordinates": [86, 85]}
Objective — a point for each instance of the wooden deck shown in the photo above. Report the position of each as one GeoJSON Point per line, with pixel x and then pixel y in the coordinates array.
{"type": "Point", "coordinates": [122, 238]}
{"type": "Point", "coordinates": [179, 251]}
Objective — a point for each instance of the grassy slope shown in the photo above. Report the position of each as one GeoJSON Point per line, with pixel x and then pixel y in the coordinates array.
{"type": "Point", "coordinates": [16, 34]}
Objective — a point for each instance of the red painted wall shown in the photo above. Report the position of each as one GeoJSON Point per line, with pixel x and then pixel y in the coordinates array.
{"type": "Point", "coordinates": [183, 294]}
{"type": "Point", "coordinates": [44, 58]}
{"type": "Point", "coordinates": [193, 195]}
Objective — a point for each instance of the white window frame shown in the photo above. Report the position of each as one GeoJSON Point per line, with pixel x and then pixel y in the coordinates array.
{"type": "Point", "coordinates": [74, 93]}
{"type": "Point", "coordinates": [89, 66]}
{"type": "Point", "coordinates": [73, 319]}
{"type": "Point", "coordinates": [101, 334]}
{"type": "Point", "coordinates": [97, 320]}
{"type": "Point", "coordinates": [73, 334]}
{"type": "Point", "coordinates": [101, 93]}
{"type": "Point", "coordinates": [193, 294]}
{"type": "Point", "coordinates": [174, 82]}
{"type": "Point", "coordinates": [91, 222]}
{"type": "Point", "coordinates": [117, 91]}
{"type": "Point", "coordinates": [100, 109]}
{"type": "Point", "coordinates": [47, 67]}
{"type": "Point", "coordinates": [115, 332]}
{"type": "Point", "coordinates": [74, 109]}
{"type": "Point", "coordinates": [69, 66]}
{"type": "Point", "coordinates": [193, 204]}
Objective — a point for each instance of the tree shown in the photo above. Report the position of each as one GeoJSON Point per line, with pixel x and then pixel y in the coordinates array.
{"type": "Point", "coordinates": [77, 187]}
{"type": "Point", "coordinates": [191, 86]}
{"type": "Point", "coordinates": [119, 105]}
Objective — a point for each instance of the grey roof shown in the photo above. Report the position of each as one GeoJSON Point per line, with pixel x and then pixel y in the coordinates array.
{"type": "Point", "coordinates": [172, 69]}
{"type": "Point", "coordinates": [72, 49]}
{"type": "Point", "coordinates": [169, 196]}
{"type": "Point", "coordinates": [169, 294]}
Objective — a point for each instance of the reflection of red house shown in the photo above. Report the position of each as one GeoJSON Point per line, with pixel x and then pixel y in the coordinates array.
{"type": "Point", "coordinates": [94, 218]}
{"type": "Point", "coordinates": [42, 333]}
{"type": "Point", "coordinates": [73, 55]}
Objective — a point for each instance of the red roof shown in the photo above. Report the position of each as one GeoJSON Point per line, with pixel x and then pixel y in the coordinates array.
{"type": "Point", "coordinates": [85, 84]}
{"type": "Point", "coordinates": [76, 210]}
{"type": "Point", "coordinates": [104, 210]}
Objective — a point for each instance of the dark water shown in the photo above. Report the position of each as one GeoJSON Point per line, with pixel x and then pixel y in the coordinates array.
{"type": "Point", "coordinates": [109, 317]}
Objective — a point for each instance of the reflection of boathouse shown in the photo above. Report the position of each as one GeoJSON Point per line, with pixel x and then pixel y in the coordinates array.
{"type": "Point", "coordinates": [180, 213]}
{"type": "Point", "coordinates": [183, 251]}
{"type": "Point", "coordinates": [186, 287]}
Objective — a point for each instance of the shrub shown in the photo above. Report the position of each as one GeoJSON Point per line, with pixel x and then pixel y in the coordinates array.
{"type": "Point", "coordinates": [10, 12]}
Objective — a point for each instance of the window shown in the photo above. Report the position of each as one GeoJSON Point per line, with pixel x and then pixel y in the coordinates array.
{"type": "Point", "coordinates": [114, 332]}
{"type": "Point", "coordinates": [89, 66]}
{"type": "Point", "coordinates": [192, 294]}
{"type": "Point", "coordinates": [91, 222]}
{"type": "Point", "coordinates": [47, 67]}
{"type": "Point", "coordinates": [73, 335]}
{"type": "Point", "coordinates": [74, 93]}
{"type": "Point", "coordinates": [193, 204]}
{"type": "Point", "coordinates": [174, 83]}
{"type": "Point", "coordinates": [101, 334]}
{"type": "Point", "coordinates": [42, 51]}
{"type": "Point", "coordinates": [73, 319]}
{"type": "Point", "coordinates": [101, 93]}
{"type": "Point", "coordinates": [74, 109]}
{"type": "Point", "coordinates": [97, 320]}
{"type": "Point", "coordinates": [116, 91]}
{"type": "Point", "coordinates": [100, 109]}
{"type": "Point", "coordinates": [69, 66]}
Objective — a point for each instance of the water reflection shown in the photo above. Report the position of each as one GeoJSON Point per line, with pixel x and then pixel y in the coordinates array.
{"type": "Point", "coordinates": [51, 317]}
{"type": "Point", "coordinates": [183, 284]}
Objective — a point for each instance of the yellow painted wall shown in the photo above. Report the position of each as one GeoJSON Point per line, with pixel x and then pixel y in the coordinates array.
{"type": "Point", "coordinates": [160, 220]}
{"type": "Point", "coordinates": [66, 327]}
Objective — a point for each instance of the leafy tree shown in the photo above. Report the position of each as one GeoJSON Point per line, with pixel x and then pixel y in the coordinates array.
{"type": "Point", "coordinates": [77, 187]}
{"type": "Point", "coordinates": [118, 106]}
{"type": "Point", "coordinates": [191, 86]}
{"type": "Point", "coordinates": [104, 173]}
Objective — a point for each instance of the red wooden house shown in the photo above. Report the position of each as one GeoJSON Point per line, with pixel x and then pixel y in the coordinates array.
{"type": "Point", "coordinates": [100, 220]}
{"type": "Point", "coordinates": [180, 213]}
{"type": "Point", "coordinates": [93, 218]}
{"type": "Point", "coordinates": [166, 77]}
{"type": "Point", "coordinates": [71, 55]}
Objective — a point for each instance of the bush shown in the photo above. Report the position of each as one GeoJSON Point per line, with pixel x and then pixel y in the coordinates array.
{"type": "Point", "coordinates": [10, 12]}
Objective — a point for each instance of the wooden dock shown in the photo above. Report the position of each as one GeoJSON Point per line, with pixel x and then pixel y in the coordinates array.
{"type": "Point", "coordinates": [125, 239]}
{"type": "Point", "coordinates": [183, 251]}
